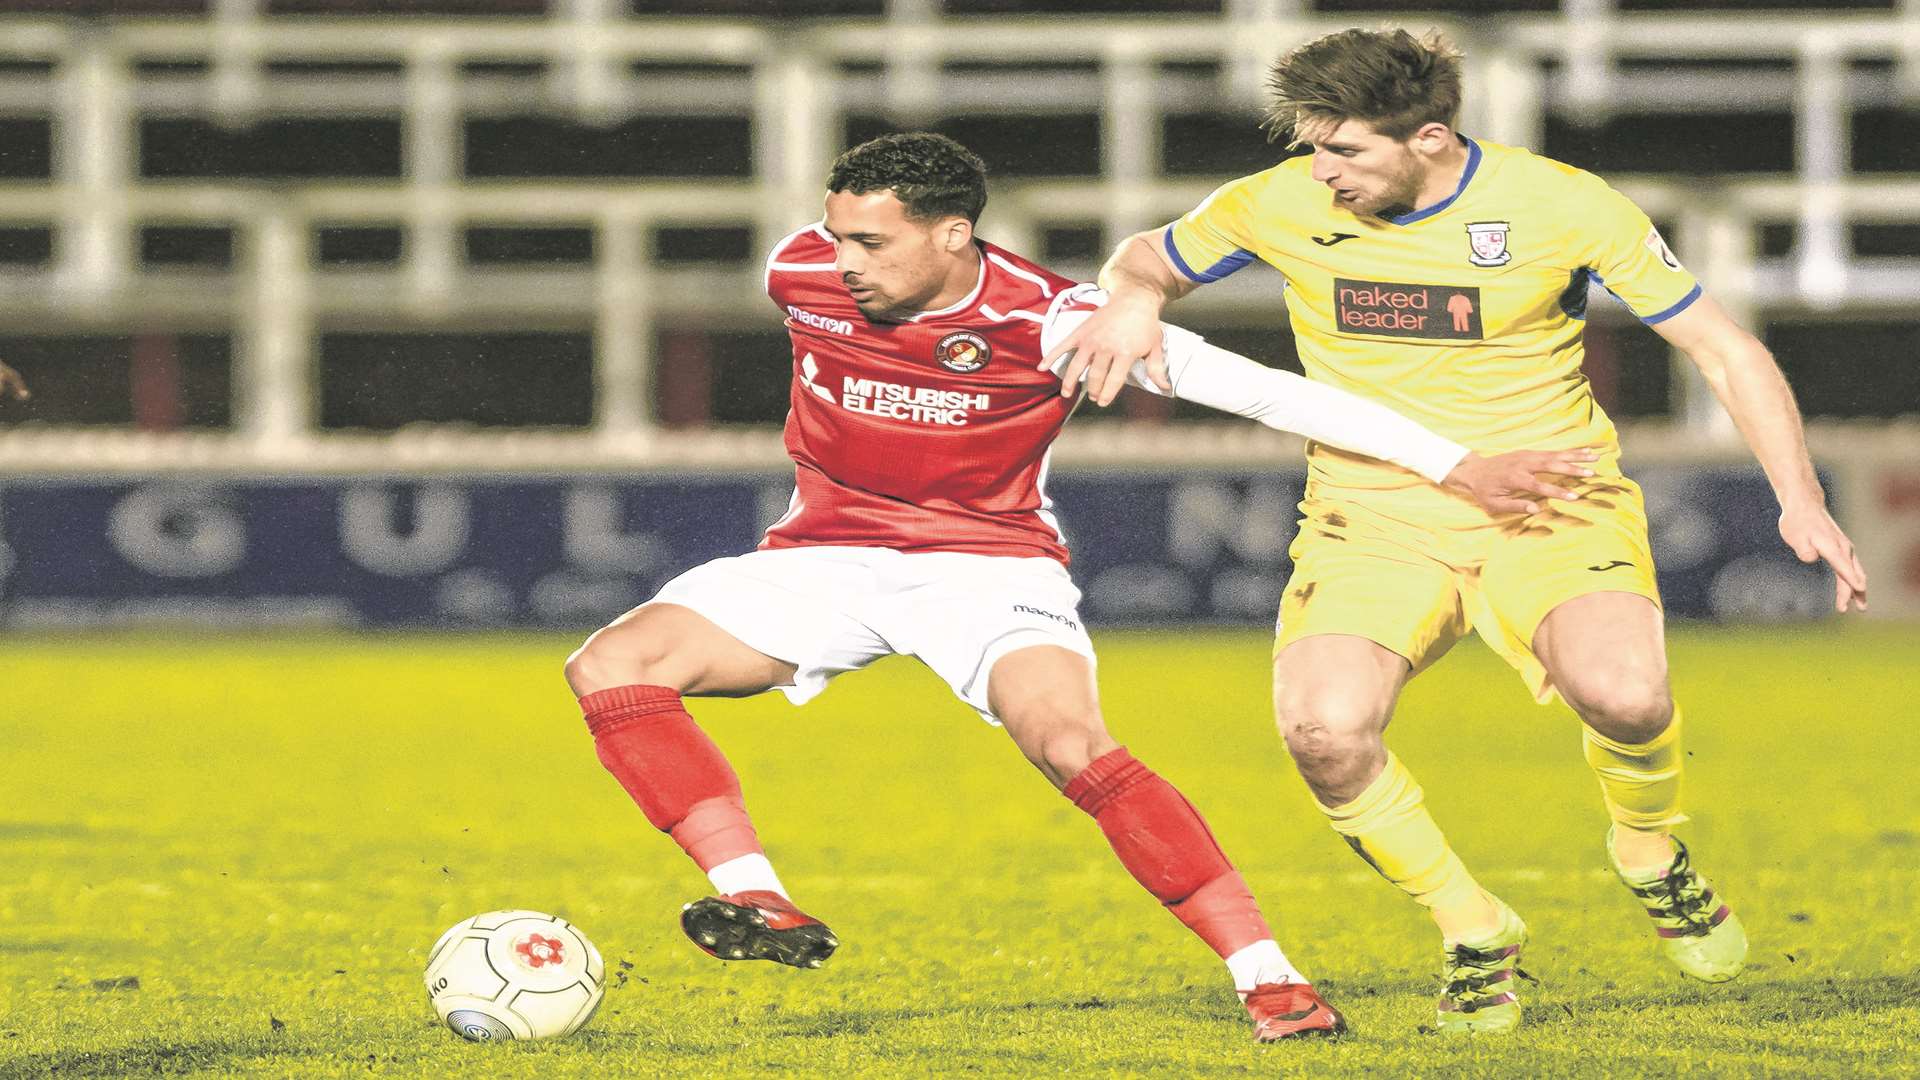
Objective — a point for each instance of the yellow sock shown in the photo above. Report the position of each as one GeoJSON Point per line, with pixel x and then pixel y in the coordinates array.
{"type": "Point", "coordinates": [1390, 828]}
{"type": "Point", "coordinates": [1640, 782]}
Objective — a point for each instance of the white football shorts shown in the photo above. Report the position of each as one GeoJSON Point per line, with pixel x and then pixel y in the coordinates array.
{"type": "Point", "coordinates": [826, 610]}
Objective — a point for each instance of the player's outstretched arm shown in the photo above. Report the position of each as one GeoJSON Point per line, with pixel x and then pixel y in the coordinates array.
{"type": "Point", "coordinates": [1515, 482]}
{"type": "Point", "coordinates": [1139, 282]}
{"type": "Point", "coordinates": [12, 385]}
{"type": "Point", "coordinates": [1748, 382]}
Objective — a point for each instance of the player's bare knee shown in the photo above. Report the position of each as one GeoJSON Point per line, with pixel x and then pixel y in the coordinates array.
{"type": "Point", "coordinates": [1064, 755]}
{"type": "Point", "coordinates": [576, 670]}
{"type": "Point", "coordinates": [1329, 714]}
{"type": "Point", "coordinates": [1312, 744]}
{"type": "Point", "coordinates": [1050, 709]}
{"type": "Point", "coordinates": [594, 666]}
{"type": "Point", "coordinates": [1333, 735]}
{"type": "Point", "coordinates": [1328, 757]}
{"type": "Point", "coordinates": [1627, 710]}
{"type": "Point", "coordinates": [1061, 734]}
{"type": "Point", "coordinates": [625, 653]}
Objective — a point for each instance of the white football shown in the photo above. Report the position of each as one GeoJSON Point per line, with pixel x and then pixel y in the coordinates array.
{"type": "Point", "coordinates": [515, 975]}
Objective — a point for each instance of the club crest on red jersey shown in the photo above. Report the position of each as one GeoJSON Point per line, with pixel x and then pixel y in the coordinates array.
{"type": "Point", "coordinates": [1487, 243]}
{"type": "Point", "coordinates": [963, 351]}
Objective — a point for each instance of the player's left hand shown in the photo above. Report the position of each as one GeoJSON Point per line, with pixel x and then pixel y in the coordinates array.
{"type": "Point", "coordinates": [1102, 351]}
{"type": "Point", "coordinates": [1512, 483]}
{"type": "Point", "coordinates": [12, 385]}
{"type": "Point", "coordinates": [1813, 535]}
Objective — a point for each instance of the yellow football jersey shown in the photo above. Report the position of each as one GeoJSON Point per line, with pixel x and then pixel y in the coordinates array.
{"type": "Point", "coordinates": [1465, 316]}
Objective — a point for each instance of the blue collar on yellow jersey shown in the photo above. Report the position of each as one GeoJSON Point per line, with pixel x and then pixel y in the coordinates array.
{"type": "Point", "coordinates": [1466, 175]}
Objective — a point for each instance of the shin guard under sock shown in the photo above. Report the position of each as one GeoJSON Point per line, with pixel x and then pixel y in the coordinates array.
{"type": "Point", "coordinates": [674, 772]}
{"type": "Point", "coordinates": [1163, 842]}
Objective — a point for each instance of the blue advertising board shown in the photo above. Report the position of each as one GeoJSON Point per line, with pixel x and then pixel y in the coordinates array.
{"type": "Point", "coordinates": [479, 550]}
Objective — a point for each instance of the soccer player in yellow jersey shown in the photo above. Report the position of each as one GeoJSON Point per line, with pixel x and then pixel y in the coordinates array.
{"type": "Point", "coordinates": [1448, 278]}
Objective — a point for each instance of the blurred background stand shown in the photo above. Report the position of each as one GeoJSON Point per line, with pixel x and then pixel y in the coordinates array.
{"type": "Point", "coordinates": [247, 244]}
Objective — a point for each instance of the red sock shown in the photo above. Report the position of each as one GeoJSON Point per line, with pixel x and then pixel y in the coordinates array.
{"type": "Point", "coordinates": [681, 781]}
{"type": "Point", "coordinates": [1165, 845]}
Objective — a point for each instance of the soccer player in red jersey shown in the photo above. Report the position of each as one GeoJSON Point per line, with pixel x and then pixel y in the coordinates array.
{"type": "Point", "coordinates": [920, 431]}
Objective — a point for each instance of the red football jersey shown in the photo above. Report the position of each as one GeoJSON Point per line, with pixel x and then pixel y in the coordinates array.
{"type": "Point", "coordinates": [926, 435]}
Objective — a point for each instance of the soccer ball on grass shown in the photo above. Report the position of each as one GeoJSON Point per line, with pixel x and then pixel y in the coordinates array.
{"type": "Point", "coordinates": [514, 975]}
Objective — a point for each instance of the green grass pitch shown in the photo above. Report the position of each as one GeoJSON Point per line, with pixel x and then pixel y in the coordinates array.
{"type": "Point", "coordinates": [266, 834]}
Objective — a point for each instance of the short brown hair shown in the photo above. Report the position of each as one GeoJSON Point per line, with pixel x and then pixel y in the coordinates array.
{"type": "Point", "coordinates": [1392, 81]}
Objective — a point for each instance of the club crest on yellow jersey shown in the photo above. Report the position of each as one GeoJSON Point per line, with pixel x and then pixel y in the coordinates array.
{"type": "Point", "coordinates": [1487, 243]}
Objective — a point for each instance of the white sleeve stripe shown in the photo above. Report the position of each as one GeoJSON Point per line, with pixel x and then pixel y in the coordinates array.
{"type": "Point", "coordinates": [766, 280]}
{"type": "Point", "coordinates": [802, 267]}
{"type": "Point", "coordinates": [1014, 314]}
{"type": "Point", "coordinates": [1045, 289]}
{"type": "Point", "coordinates": [1086, 291]}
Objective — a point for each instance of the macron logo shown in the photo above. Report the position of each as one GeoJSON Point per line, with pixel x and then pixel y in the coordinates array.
{"type": "Point", "coordinates": [821, 322]}
{"type": "Point", "coordinates": [1061, 619]}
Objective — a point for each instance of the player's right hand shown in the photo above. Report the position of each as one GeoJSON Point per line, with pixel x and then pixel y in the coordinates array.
{"type": "Point", "coordinates": [1103, 349]}
{"type": "Point", "coordinates": [1512, 483]}
{"type": "Point", "coordinates": [12, 385]}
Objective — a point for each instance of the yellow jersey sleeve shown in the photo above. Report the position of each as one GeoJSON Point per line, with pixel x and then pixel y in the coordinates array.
{"type": "Point", "coordinates": [1627, 256]}
{"type": "Point", "coordinates": [1217, 237]}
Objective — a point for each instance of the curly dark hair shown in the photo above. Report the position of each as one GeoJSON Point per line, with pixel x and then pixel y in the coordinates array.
{"type": "Point", "coordinates": [931, 175]}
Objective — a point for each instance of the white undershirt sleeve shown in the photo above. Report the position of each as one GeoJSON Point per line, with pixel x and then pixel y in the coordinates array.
{"type": "Point", "coordinates": [1227, 381]}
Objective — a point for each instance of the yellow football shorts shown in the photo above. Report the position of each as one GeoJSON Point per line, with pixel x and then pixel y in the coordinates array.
{"type": "Point", "coordinates": [1414, 570]}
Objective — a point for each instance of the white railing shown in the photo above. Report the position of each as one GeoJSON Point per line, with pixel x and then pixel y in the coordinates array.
{"type": "Point", "coordinates": [792, 80]}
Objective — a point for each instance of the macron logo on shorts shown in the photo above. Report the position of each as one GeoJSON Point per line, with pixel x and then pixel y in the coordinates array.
{"type": "Point", "coordinates": [1061, 619]}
